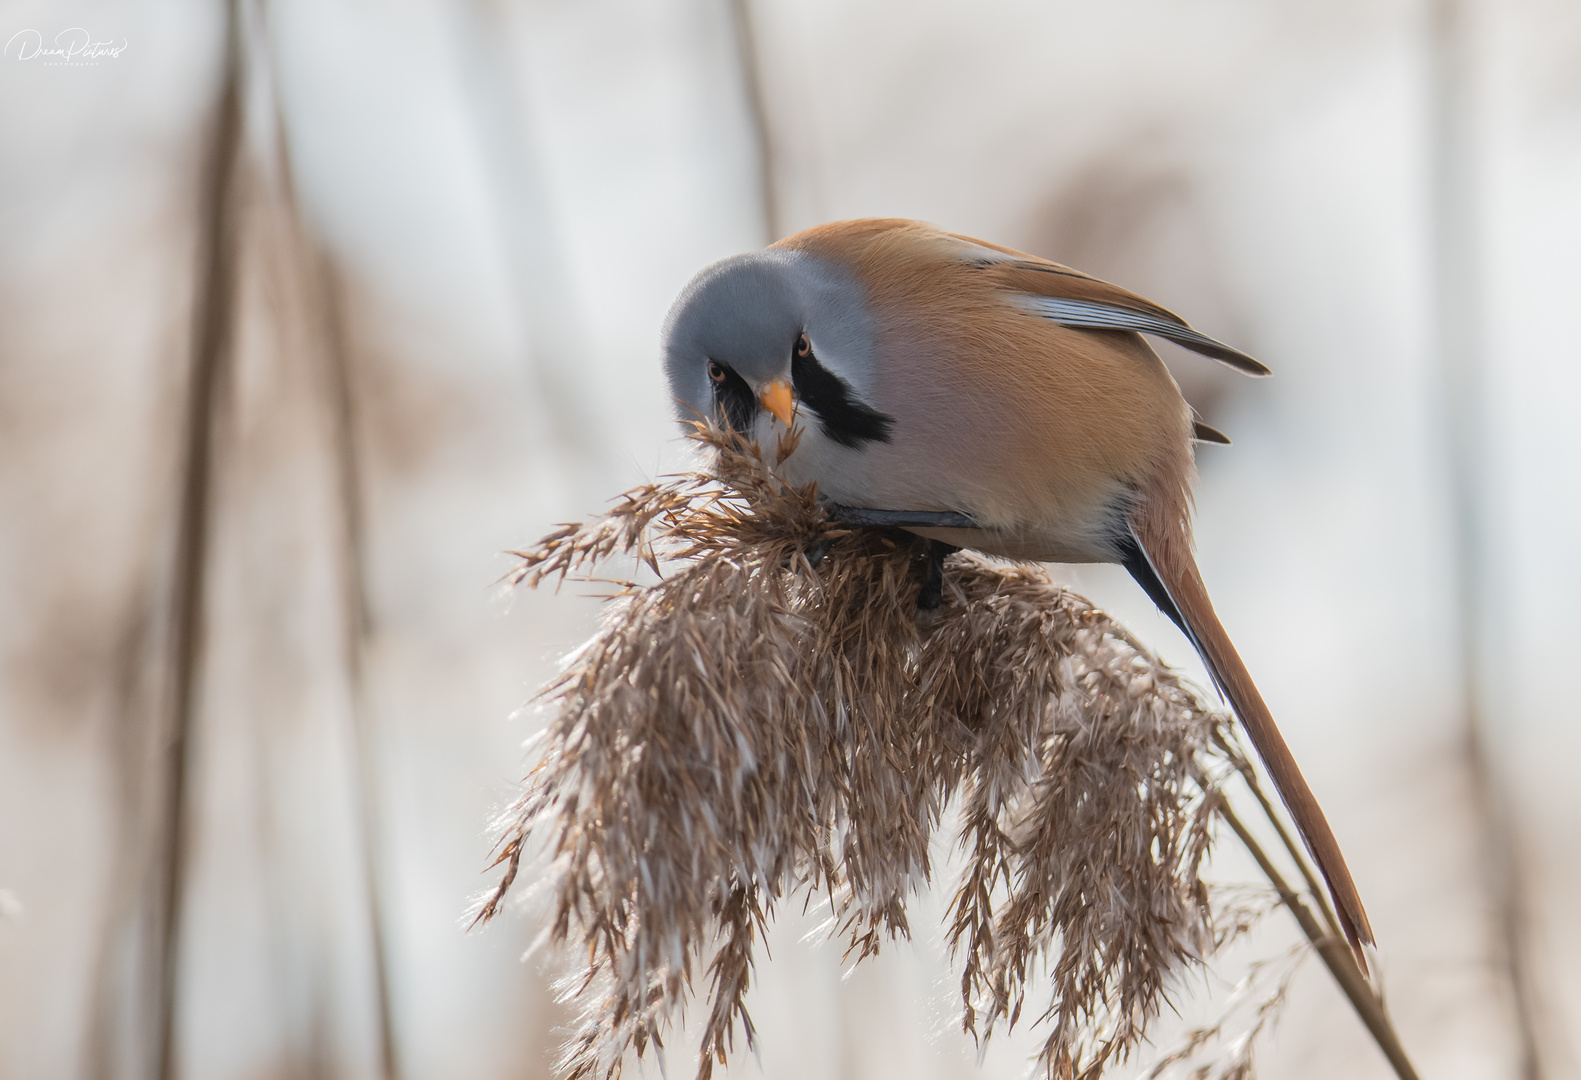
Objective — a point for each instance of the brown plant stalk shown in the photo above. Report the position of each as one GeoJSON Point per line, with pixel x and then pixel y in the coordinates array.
{"type": "Point", "coordinates": [776, 718]}
{"type": "Point", "coordinates": [1335, 954]}
{"type": "Point", "coordinates": [213, 314]}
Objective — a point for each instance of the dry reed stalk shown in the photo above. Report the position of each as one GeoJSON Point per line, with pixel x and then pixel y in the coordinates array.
{"type": "Point", "coordinates": [775, 717]}
{"type": "Point", "coordinates": [756, 96]}
{"type": "Point", "coordinates": [213, 314]}
{"type": "Point", "coordinates": [1460, 305]}
{"type": "Point", "coordinates": [320, 270]}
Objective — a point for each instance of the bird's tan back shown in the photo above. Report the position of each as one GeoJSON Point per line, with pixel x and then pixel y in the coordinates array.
{"type": "Point", "coordinates": [1049, 424]}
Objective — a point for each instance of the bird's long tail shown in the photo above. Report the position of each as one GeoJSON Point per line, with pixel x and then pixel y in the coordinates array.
{"type": "Point", "coordinates": [1162, 563]}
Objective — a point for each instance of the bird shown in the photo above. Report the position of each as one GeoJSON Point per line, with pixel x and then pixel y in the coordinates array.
{"type": "Point", "coordinates": [935, 377]}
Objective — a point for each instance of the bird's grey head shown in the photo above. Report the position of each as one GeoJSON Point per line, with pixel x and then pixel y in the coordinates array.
{"type": "Point", "coordinates": [786, 318]}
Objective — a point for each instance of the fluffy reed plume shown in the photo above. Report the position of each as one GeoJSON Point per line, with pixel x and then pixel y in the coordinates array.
{"type": "Point", "coordinates": [775, 717]}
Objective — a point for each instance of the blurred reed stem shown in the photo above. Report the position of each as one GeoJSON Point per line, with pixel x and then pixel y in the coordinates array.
{"type": "Point", "coordinates": [746, 39]}
{"type": "Point", "coordinates": [323, 284]}
{"type": "Point", "coordinates": [1459, 295]}
{"type": "Point", "coordinates": [214, 316]}
{"type": "Point", "coordinates": [358, 621]}
{"type": "Point", "coordinates": [535, 248]}
{"type": "Point", "coordinates": [1330, 947]}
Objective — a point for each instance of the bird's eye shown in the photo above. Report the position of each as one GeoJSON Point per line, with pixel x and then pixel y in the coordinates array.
{"type": "Point", "coordinates": [803, 346]}
{"type": "Point", "coordinates": [716, 372]}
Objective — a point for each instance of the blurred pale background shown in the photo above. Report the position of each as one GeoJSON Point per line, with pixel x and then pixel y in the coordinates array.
{"type": "Point", "coordinates": [441, 262]}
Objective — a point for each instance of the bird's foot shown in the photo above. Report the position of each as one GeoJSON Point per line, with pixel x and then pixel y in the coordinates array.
{"type": "Point", "coordinates": [931, 595]}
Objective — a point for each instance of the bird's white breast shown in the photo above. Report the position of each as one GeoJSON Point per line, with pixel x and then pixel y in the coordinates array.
{"type": "Point", "coordinates": [902, 476]}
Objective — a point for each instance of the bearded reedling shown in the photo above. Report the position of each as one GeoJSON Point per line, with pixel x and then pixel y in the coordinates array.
{"type": "Point", "coordinates": [986, 399]}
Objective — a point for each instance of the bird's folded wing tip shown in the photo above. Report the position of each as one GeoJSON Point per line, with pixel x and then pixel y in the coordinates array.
{"type": "Point", "coordinates": [937, 519]}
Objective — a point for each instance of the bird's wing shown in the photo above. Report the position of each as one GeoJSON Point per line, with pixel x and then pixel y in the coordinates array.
{"type": "Point", "coordinates": [1072, 298]}
{"type": "Point", "coordinates": [1098, 315]}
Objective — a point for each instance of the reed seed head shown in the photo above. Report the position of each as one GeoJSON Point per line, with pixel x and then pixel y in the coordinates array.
{"type": "Point", "coordinates": [775, 717]}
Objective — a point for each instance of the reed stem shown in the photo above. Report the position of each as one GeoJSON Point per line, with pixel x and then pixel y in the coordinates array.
{"type": "Point", "coordinates": [213, 312]}
{"type": "Point", "coordinates": [1332, 949]}
{"type": "Point", "coordinates": [1317, 889]}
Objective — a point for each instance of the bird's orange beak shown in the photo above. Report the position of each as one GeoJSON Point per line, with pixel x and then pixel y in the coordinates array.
{"type": "Point", "coordinates": [777, 399]}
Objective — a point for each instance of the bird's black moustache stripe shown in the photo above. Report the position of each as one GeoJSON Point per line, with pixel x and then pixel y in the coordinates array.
{"type": "Point", "coordinates": [843, 417]}
{"type": "Point", "coordinates": [734, 399]}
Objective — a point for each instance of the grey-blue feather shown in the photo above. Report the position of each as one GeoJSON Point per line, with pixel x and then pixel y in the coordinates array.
{"type": "Point", "coordinates": [747, 311]}
{"type": "Point", "coordinates": [1094, 315]}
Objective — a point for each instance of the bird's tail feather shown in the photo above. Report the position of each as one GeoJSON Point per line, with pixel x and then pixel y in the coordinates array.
{"type": "Point", "coordinates": [1164, 553]}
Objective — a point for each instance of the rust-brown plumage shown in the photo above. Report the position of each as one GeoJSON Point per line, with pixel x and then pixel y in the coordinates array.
{"type": "Point", "coordinates": [1050, 437]}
